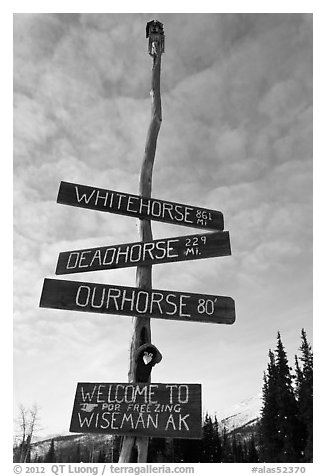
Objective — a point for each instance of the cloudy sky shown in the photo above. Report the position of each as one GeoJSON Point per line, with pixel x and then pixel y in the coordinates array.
{"type": "Point", "coordinates": [236, 137]}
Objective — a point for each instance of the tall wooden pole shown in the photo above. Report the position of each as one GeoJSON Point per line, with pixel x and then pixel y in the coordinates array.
{"type": "Point", "coordinates": [134, 449]}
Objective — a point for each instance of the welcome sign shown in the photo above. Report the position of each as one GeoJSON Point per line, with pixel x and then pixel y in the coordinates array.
{"type": "Point", "coordinates": [139, 409]}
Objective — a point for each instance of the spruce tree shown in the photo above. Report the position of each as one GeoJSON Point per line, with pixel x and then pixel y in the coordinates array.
{"type": "Point", "coordinates": [237, 450]}
{"type": "Point", "coordinates": [302, 429]}
{"type": "Point", "coordinates": [76, 457]}
{"type": "Point", "coordinates": [271, 444]}
{"type": "Point", "coordinates": [234, 449]}
{"type": "Point", "coordinates": [280, 425]}
{"type": "Point", "coordinates": [50, 456]}
{"type": "Point", "coordinates": [240, 452]}
{"type": "Point", "coordinates": [287, 409]}
{"type": "Point", "coordinates": [252, 452]}
{"type": "Point", "coordinates": [207, 441]}
{"type": "Point", "coordinates": [245, 451]}
{"type": "Point", "coordinates": [217, 448]}
{"type": "Point", "coordinates": [226, 448]}
{"type": "Point", "coordinates": [304, 394]}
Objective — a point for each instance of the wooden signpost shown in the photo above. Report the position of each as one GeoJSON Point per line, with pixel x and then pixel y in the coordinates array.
{"type": "Point", "coordinates": [136, 206]}
{"type": "Point", "coordinates": [138, 409]}
{"type": "Point", "coordinates": [180, 248]}
{"type": "Point", "coordinates": [129, 301]}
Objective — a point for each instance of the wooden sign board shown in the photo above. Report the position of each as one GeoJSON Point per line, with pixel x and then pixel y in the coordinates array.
{"type": "Point", "coordinates": [138, 409]}
{"type": "Point", "coordinates": [128, 301]}
{"type": "Point", "coordinates": [136, 206]}
{"type": "Point", "coordinates": [167, 250]}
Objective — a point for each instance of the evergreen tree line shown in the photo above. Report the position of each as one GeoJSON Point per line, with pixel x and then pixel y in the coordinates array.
{"type": "Point", "coordinates": [286, 424]}
{"type": "Point", "coordinates": [284, 432]}
{"type": "Point", "coordinates": [216, 446]}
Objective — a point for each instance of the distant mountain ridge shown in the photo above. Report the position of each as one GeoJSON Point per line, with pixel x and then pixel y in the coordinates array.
{"type": "Point", "coordinates": [67, 444]}
{"type": "Point", "coordinates": [240, 415]}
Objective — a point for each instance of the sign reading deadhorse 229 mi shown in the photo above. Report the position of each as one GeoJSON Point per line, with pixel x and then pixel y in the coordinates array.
{"type": "Point", "coordinates": [180, 248]}
{"type": "Point", "coordinates": [140, 409]}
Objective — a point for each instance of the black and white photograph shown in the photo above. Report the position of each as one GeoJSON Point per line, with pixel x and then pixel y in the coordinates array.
{"type": "Point", "coordinates": [163, 240]}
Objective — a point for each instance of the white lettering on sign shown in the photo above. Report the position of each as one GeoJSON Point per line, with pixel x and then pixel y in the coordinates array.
{"type": "Point", "coordinates": [180, 392]}
{"type": "Point", "coordinates": [135, 253]}
{"type": "Point", "coordinates": [129, 393]}
{"type": "Point", "coordinates": [118, 421]}
{"type": "Point", "coordinates": [192, 245]}
{"type": "Point", "coordinates": [130, 300]}
{"type": "Point", "coordinates": [133, 406]}
{"type": "Point", "coordinates": [139, 205]}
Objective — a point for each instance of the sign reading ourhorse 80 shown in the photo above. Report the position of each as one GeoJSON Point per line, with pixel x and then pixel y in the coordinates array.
{"type": "Point", "coordinates": [129, 301]}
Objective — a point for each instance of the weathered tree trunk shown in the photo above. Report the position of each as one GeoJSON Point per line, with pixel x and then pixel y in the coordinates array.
{"type": "Point", "coordinates": [141, 325]}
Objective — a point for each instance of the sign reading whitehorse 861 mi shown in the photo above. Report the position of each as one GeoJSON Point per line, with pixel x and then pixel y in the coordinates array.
{"type": "Point", "coordinates": [139, 207]}
{"type": "Point", "coordinates": [180, 248]}
{"type": "Point", "coordinates": [139, 409]}
{"type": "Point", "coordinates": [128, 301]}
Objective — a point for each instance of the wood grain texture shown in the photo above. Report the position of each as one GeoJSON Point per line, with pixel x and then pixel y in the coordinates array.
{"type": "Point", "coordinates": [182, 248]}
{"type": "Point", "coordinates": [152, 410]}
{"type": "Point", "coordinates": [135, 301]}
